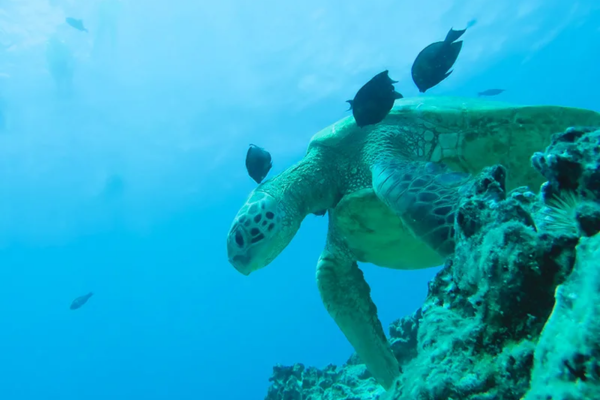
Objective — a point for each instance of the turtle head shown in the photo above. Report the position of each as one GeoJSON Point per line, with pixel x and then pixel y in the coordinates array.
{"type": "Point", "coordinates": [272, 215]}
{"type": "Point", "coordinates": [262, 228]}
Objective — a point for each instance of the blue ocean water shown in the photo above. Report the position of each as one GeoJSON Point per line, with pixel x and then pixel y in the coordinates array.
{"type": "Point", "coordinates": [122, 166]}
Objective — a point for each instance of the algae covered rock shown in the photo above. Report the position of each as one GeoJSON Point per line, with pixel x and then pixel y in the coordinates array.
{"type": "Point", "coordinates": [476, 337]}
{"type": "Point", "coordinates": [567, 356]}
{"type": "Point", "coordinates": [571, 165]}
{"type": "Point", "coordinates": [515, 312]}
{"type": "Point", "coordinates": [352, 382]}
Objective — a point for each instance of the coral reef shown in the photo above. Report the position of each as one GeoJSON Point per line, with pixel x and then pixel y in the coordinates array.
{"type": "Point", "coordinates": [353, 381]}
{"type": "Point", "coordinates": [515, 312]}
{"type": "Point", "coordinates": [350, 382]}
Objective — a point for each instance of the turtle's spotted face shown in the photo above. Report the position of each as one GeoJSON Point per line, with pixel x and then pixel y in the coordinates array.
{"type": "Point", "coordinates": [260, 231]}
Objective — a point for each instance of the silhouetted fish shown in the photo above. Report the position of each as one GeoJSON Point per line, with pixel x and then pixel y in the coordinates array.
{"type": "Point", "coordinates": [76, 23]}
{"type": "Point", "coordinates": [491, 92]}
{"type": "Point", "coordinates": [433, 63]}
{"type": "Point", "coordinates": [258, 163]}
{"type": "Point", "coordinates": [81, 300]}
{"type": "Point", "coordinates": [374, 100]}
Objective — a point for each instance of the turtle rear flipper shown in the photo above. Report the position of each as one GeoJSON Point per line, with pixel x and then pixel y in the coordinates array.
{"type": "Point", "coordinates": [424, 195]}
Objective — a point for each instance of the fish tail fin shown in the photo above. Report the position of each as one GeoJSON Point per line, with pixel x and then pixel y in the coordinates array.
{"type": "Point", "coordinates": [454, 35]}
{"type": "Point", "coordinates": [349, 102]}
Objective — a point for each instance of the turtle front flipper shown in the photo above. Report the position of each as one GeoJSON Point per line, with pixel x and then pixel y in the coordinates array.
{"type": "Point", "coordinates": [347, 298]}
{"type": "Point", "coordinates": [424, 195]}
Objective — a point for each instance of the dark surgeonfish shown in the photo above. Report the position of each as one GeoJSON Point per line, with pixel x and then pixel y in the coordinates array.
{"type": "Point", "coordinates": [433, 63]}
{"type": "Point", "coordinates": [76, 23]}
{"type": "Point", "coordinates": [258, 163]}
{"type": "Point", "coordinates": [374, 100]}
{"type": "Point", "coordinates": [491, 92]}
{"type": "Point", "coordinates": [81, 300]}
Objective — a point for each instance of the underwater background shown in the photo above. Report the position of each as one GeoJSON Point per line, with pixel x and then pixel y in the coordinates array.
{"type": "Point", "coordinates": [122, 165]}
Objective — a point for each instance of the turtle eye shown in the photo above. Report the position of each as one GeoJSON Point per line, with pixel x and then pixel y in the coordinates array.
{"type": "Point", "coordinates": [239, 239]}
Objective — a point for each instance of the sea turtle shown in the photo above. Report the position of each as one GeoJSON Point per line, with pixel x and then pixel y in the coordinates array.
{"type": "Point", "coordinates": [390, 191]}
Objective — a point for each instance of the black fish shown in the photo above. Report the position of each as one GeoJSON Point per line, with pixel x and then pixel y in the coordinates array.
{"type": "Point", "coordinates": [491, 92]}
{"type": "Point", "coordinates": [374, 100]}
{"type": "Point", "coordinates": [433, 63]}
{"type": "Point", "coordinates": [81, 300]}
{"type": "Point", "coordinates": [76, 23]}
{"type": "Point", "coordinates": [258, 163]}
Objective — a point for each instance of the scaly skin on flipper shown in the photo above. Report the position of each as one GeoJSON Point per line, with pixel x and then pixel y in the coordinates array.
{"type": "Point", "coordinates": [347, 298]}
{"type": "Point", "coordinates": [368, 218]}
{"type": "Point", "coordinates": [424, 195]}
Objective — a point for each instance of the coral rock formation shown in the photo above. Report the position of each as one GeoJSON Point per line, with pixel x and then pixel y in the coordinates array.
{"type": "Point", "coordinates": [515, 313]}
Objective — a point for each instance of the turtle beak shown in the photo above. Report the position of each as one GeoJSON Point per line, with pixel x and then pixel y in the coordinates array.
{"type": "Point", "coordinates": [240, 264]}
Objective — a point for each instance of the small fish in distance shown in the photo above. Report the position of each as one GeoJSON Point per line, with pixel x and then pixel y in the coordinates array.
{"type": "Point", "coordinates": [433, 63]}
{"type": "Point", "coordinates": [258, 163]}
{"type": "Point", "coordinates": [374, 100]}
{"type": "Point", "coordinates": [81, 300]}
{"type": "Point", "coordinates": [76, 23]}
{"type": "Point", "coordinates": [491, 92]}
